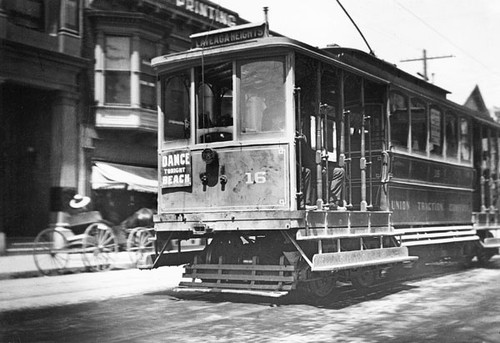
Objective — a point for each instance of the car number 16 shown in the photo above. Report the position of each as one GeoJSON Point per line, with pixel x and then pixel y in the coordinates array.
{"type": "Point", "coordinates": [258, 177]}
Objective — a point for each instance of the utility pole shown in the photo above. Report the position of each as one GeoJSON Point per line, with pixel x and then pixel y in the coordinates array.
{"type": "Point", "coordinates": [425, 58]}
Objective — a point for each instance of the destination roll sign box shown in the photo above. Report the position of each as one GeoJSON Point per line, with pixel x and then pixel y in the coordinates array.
{"type": "Point", "coordinates": [228, 35]}
{"type": "Point", "coordinates": [176, 169]}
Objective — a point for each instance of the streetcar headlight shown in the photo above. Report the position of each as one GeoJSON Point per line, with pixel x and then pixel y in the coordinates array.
{"type": "Point", "coordinates": [209, 156]}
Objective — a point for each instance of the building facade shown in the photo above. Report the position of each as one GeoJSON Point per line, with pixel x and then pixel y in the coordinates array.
{"type": "Point", "coordinates": [77, 90]}
{"type": "Point", "coordinates": [41, 67]}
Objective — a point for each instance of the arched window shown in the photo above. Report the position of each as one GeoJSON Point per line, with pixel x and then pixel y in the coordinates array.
{"type": "Point", "coordinates": [175, 106]}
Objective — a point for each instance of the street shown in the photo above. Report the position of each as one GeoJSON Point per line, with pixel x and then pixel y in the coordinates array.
{"type": "Point", "coordinates": [139, 306]}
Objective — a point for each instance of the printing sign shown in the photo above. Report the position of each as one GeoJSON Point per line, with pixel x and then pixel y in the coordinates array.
{"type": "Point", "coordinates": [208, 10]}
{"type": "Point", "coordinates": [176, 169]}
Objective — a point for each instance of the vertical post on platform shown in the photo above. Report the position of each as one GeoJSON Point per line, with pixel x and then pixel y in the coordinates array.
{"type": "Point", "coordinates": [342, 133]}
{"type": "Point", "coordinates": [362, 160]}
{"type": "Point", "coordinates": [319, 141]}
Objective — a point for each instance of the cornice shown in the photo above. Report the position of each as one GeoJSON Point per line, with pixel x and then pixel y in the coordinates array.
{"type": "Point", "coordinates": [28, 51]}
{"type": "Point", "coordinates": [124, 19]}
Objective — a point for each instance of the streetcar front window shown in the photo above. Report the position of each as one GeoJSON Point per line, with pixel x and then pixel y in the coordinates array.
{"type": "Point", "coordinates": [175, 106]}
{"type": "Point", "coordinates": [214, 102]}
{"type": "Point", "coordinates": [262, 96]}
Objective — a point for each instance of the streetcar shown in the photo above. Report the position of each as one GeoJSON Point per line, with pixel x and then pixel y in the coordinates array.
{"type": "Point", "coordinates": [295, 167]}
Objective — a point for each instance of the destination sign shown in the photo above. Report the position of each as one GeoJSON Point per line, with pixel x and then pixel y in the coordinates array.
{"type": "Point", "coordinates": [225, 36]}
{"type": "Point", "coordinates": [176, 169]}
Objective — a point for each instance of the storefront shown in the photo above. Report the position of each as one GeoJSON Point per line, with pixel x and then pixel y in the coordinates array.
{"type": "Point", "coordinates": [119, 190]}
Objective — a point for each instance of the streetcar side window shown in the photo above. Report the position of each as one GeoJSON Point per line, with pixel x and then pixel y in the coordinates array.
{"type": "Point", "coordinates": [375, 94]}
{"type": "Point", "coordinates": [399, 120]}
{"type": "Point", "coordinates": [498, 152]}
{"type": "Point", "coordinates": [214, 103]}
{"type": "Point", "coordinates": [175, 106]}
{"type": "Point", "coordinates": [262, 96]}
{"type": "Point", "coordinates": [465, 140]}
{"type": "Point", "coordinates": [436, 134]}
{"type": "Point", "coordinates": [493, 153]}
{"type": "Point", "coordinates": [418, 112]}
{"type": "Point", "coordinates": [451, 131]}
{"type": "Point", "coordinates": [329, 109]}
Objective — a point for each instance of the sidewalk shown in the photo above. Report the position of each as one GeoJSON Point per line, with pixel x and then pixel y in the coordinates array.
{"type": "Point", "coordinates": [23, 265]}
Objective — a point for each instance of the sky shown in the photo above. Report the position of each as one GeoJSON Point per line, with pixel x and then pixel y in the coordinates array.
{"type": "Point", "coordinates": [397, 30]}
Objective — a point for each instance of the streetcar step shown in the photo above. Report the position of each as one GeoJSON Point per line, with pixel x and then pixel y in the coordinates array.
{"type": "Point", "coordinates": [491, 242]}
{"type": "Point", "coordinates": [360, 258]}
{"type": "Point", "coordinates": [242, 277]}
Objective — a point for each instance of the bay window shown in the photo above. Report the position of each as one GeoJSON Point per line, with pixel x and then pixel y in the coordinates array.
{"type": "Point", "coordinates": [72, 15]}
{"type": "Point", "coordinates": [148, 79]}
{"type": "Point", "coordinates": [117, 74]}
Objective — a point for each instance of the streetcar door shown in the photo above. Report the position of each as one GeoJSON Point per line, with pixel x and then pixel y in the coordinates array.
{"type": "Point", "coordinates": [364, 104]}
{"type": "Point", "coordinates": [341, 119]}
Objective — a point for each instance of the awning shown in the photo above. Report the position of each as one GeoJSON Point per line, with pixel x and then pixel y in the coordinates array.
{"type": "Point", "coordinates": [120, 176]}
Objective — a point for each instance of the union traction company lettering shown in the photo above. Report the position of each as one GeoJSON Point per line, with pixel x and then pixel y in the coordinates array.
{"type": "Point", "coordinates": [176, 169]}
{"type": "Point", "coordinates": [405, 205]}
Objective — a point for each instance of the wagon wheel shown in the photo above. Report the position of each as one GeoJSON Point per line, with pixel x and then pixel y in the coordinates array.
{"type": "Point", "coordinates": [50, 252]}
{"type": "Point", "coordinates": [139, 243]}
{"type": "Point", "coordinates": [363, 278]}
{"type": "Point", "coordinates": [99, 247]}
{"type": "Point", "coordinates": [322, 287]}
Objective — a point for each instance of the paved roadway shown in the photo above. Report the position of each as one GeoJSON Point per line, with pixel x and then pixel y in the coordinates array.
{"type": "Point", "coordinates": [139, 306]}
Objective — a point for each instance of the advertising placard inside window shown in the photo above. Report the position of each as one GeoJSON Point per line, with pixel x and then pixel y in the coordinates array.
{"type": "Point", "coordinates": [176, 169]}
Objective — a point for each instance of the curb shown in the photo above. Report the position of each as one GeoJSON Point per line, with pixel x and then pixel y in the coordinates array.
{"type": "Point", "coordinates": [27, 268]}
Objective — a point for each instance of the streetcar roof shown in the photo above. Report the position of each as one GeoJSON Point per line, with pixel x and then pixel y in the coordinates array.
{"type": "Point", "coordinates": [353, 60]}
{"type": "Point", "coordinates": [176, 60]}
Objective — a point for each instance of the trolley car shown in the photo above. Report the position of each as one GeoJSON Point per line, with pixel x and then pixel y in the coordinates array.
{"type": "Point", "coordinates": [298, 166]}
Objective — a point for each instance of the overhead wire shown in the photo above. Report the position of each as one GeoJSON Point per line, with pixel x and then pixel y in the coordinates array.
{"type": "Point", "coordinates": [443, 36]}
